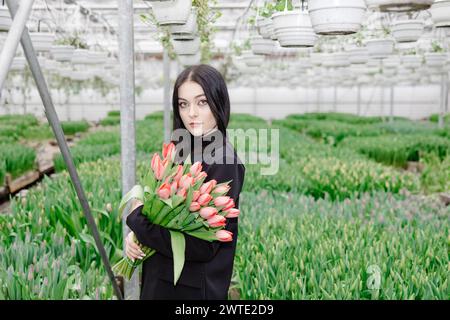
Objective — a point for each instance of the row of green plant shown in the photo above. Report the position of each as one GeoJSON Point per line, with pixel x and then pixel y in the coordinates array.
{"type": "Point", "coordinates": [112, 119]}
{"type": "Point", "coordinates": [376, 247]}
{"type": "Point", "coordinates": [15, 159]}
{"type": "Point", "coordinates": [397, 150]}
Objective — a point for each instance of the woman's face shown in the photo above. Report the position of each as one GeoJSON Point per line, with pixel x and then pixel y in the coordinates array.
{"type": "Point", "coordinates": [194, 109]}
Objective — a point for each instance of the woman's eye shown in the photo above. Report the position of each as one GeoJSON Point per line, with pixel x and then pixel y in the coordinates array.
{"type": "Point", "coordinates": [203, 102]}
{"type": "Point", "coordinates": [182, 104]}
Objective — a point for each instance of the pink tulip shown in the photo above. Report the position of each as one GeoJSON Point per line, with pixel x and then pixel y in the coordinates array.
{"type": "Point", "coordinates": [186, 181]}
{"type": "Point", "coordinates": [208, 212]}
{"type": "Point", "coordinates": [169, 151]}
{"type": "Point", "coordinates": [232, 213]}
{"type": "Point", "coordinates": [157, 166]}
{"type": "Point", "coordinates": [194, 207]}
{"type": "Point", "coordinates": [217, 221]}
{"type": "Point", "coordinates": [204, 199]}
{"type": "Point", "coordinates": [196, 168]}
{"type": "Point", "coordinates": [164, 191]}
{"type": "Point", "coordinates": [221, 201]}
{"type": "Point", "coordinates": [208, 186]}
{"type": "Point", "coordinates": [173, 187]}
{"type": "Point", "coordinates": [182, 192]}
{"type": "Point", "coordinates": [229, 205]}
{"type": "Point", "coordinates": [224, 236]}
{"type": "Point", "coordinates": [200, 176]}
{"type": "Point", "coordinates": [195, 195]}
{"type": "Point", "coordinates": [221, 189]}
{"type": "Point", "coordinates": [179, 173]}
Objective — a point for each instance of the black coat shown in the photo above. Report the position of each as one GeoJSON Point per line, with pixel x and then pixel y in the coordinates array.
{"type": "Point", "coordinates": [208, 265]}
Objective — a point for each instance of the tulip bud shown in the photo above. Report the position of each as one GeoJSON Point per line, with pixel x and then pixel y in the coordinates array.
{"type": "Point", "coordinates": [229, 205]}
{"type": "Point", "coordinates": [157, 166]}
{"type": "Point", "coordinates": [208, 212]}
{"type": "Point", "coordinates": [208, 186]}
{"type": "Point", "coordinates": [164, 191]}
{"type": "Point", "coordinates": [194, 207]}
{"type": "Point", "coordinates": [186, 181]}
{"type": "Point", "coordinates": [232, 213]}
{"type": "Point", "coordinates": [200, 176]}
{"type": "Point", "coordinates": [223, 189]}
{"type": "Point", "coordinates": [173, 187]}
{"type": "Point", "coordinates": [221, 201]}
{"type": "Point", "coordinates": [195, 169]}
{"type": "Point", "coordinates": [195, 195]}
{"type": "Point", "coordinates": [169, 151]}
{"type": "Point", "coordinates": [182, 192]}
{"type": "Point", "coordinates": [204, 199]}
{"type": "Point", "coordinates": [179, 173]}
{"type": "Point", "coordinates": [217, 221]}
{"type": "Point", "coordinates": [224, 235]}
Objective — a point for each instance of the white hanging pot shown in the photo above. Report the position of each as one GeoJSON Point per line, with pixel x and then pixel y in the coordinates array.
{"type": "Point", "coordinates": [5, 19]}
{"type": "Point", "coordinates": [412, 61]}
{"type": "Point", "coordinates": [358, 55]}
{"type": "Point", "coordinates": [391, 62]}
{"type": "Point", "coordinates": [62, 53]}
{"type": "Point", "coordinates": [42, 41]}
{"type": "Point", "coordinates": [190, 59]}
{"type": "Point", "coordinates": [261, 45]}
{"type": "Point", "coordinates": [97, 57]}
{"type": "Point", "coordinates": [337, 17]}
{"type": "Point", "coordinates": [407, 30]}
{"type": "Point", "coordinates": [172, 12]}
{"type": "Point", "coordinates": [435, 59]}
{"type": "Point", "coordinates": [265, 28]}
{"type": "Point", "coordinates": [252, 60]}
{"type": "Point", "coordinates": [80, 56]}
{"type": "Point", "coordinates": [186, 46]}
{"type": "Point", "coordinates": [317, 58]}
{"type": "Point", "coordinates": [399, 5]}
{"type": "Point", "coordinates": [293, 29]}
{"type": "Point", "coordinates": [380, 48]}
{"type": "Point", "coordinates": [440, 13]}
{"type": "Point", "coordinates": [188, 30]}
{"type": "Point", "coordinates": [336, 59]}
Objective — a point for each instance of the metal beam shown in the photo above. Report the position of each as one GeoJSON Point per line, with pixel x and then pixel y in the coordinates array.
{"type": "Point", "coordinates": [166, 67]}
{"type": "Point", "coordinates": [13, 39]}
{"type": "Point", "coordinates": [127, 120]}
{"type": "Point", "coordinates": [59, 135]}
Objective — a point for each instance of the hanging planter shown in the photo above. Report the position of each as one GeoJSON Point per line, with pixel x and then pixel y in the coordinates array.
{"type": "Point", "coordinates": [358, 55]}
{"type": "Point", "coordinates": [380, 48]}
{"type": "Point", "coordinates": [186, 46]}
{"type": "Point", "coordinates": [440, 13]}
{"type": "Point", "coordinates": [261, 45]}
{"type": "Point", "coordinates": [399, 5]}
{"type": "Point", "coordinates": [265, 28]}
{"type": "Point", "coordinates": [412, 61]}
{"type": "Point", "coordinates": [172, 12]}
{"type": "Point", "coordinates": [42, 41]}
{"type": "Point", "coordinates": [18, 64]}
{"type": "Point", "coordinates": [252, 60]}
{"type": "Point", "coordinates": [435, 59]}
{"type": "Point", "coordinates": [338, 17]}
{"type": "Point", "coordinates": [5, 19]}
{"type": "Point", "coordinates": [407, 30]}
{"type": "Point", "coordinates": [336, 60]}
{"type": "Point", "coordinates": [187, 31]}
{"type": "Point", "coordinates": [189, 59]}
{"type": "Point", "coordinates": [293, 29]}
{"type": "Point", "coordinates": [80, 56]}
{"type": "Point", "coordinates": [62, 53]}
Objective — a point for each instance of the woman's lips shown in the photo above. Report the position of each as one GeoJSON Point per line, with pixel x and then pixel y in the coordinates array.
{"type": "Point", "coordinates": [194, 124]}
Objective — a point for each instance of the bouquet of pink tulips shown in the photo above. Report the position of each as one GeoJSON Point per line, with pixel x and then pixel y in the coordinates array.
{"type": "Point", "coordinates": [176, 198]}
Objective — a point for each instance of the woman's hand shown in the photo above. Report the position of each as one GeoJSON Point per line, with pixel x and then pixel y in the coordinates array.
{"type": "Point", "coordinates": [132, 249]}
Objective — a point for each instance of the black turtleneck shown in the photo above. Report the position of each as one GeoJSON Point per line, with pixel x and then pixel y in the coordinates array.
{"type": "Point", "coordinates": [208, 265]}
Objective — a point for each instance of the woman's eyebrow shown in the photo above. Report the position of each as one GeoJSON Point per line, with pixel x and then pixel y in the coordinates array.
{"type": "Point", "coordinates": [200, 95]}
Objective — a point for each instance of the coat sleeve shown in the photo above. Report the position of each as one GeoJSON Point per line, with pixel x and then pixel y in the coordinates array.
{"type": "Point", "coordinates": [158, 237]}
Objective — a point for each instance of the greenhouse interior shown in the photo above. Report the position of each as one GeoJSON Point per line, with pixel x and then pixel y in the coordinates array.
{"type": "Point", "coordinates": [339, 111]}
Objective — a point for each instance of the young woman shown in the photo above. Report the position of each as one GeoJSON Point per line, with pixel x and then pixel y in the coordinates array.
{"type": "Point", "coordinates": [201, 108]}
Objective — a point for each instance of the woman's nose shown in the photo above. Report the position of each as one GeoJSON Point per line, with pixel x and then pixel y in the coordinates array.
{"type": "Point", "coordinates": [193, 112]}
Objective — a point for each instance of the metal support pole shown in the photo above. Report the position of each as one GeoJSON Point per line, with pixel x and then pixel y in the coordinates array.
{"type": "Point", "coordinates": [382, 100]}
{"type": "Point", "coordinates": [13, 39]}
{"type": "Point", "coordinates": [335, 98]}
{"type": "Point", "coordinates": [391, 109]}
{"type": "Point", "coordinates": [166, 67]}
{"type": "Point", "coordinates": [318, 98]}
{"type": "Point", "coordinates": [127, 120]}
{"type": "Point", "coordinates": [442, 101]}
{"type": "Point", "coordinates": [358, 101]}
{"type": "Point", "coordinates": [59, 135]}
